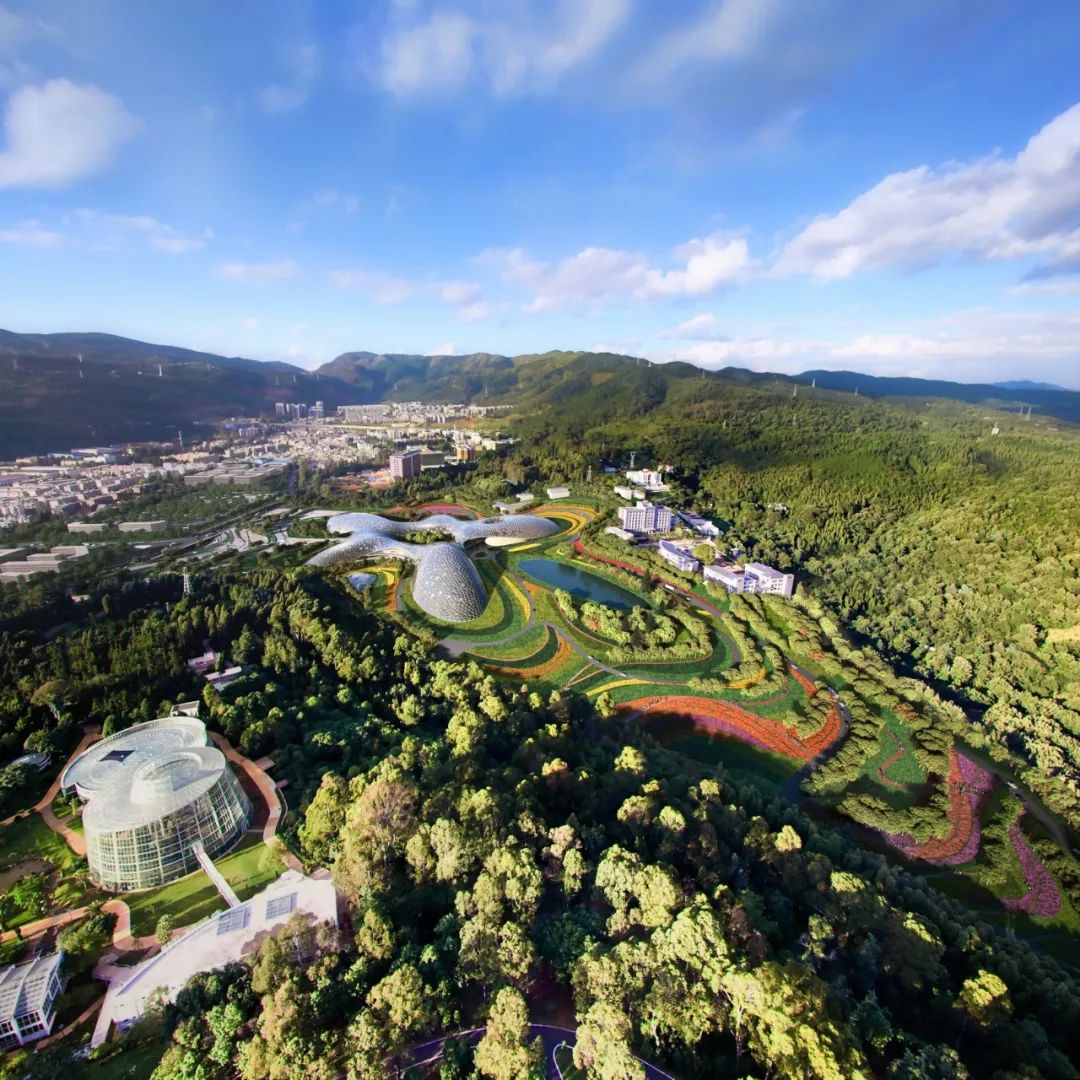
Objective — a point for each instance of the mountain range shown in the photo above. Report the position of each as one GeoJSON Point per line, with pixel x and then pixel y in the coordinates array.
{"type": "Point", "coordinates": [63, 390]}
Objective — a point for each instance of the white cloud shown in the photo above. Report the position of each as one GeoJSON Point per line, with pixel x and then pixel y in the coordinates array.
{"type": "Point", "coordinates": [391, 289]}
{"type": "Point", "coordinates": [731, 31]}
{"type": "Point", "coordinates": [304, 66]}
{"type": "Point", "coordinates": [448, 348]}
{"type": "Point", "coordinates": [698, 327]}
{"type": "Point", "coordinates": [322, 202]}
{"type": "Point", "coordinates": [61, 132]}
{"type": "Point", "coordinates": [1045, 288]}
{"type": "Point", "coordinates": [108, 228]}
{"type": "Point", "coordinates": [989, 210]}
{"type": "Point", "coordinates": [264, 273]}
{"type": "Point", "coordinates": [965, 346]}
{"type": "Point", "coordinates": [525, 49]}
{"type": "Point", "coordinates": [596, 275]}
{"type": "Point", "coordinates": [31, 234]}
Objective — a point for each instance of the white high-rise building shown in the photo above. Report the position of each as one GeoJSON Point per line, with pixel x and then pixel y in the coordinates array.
{"type": "Point", "coordinates": [646, 517]}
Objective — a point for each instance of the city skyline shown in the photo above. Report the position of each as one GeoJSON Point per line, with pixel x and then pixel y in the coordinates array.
{"type": "Point", "coordinates": [752, 184]}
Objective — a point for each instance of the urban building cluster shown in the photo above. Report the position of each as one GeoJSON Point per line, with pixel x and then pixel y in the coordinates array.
{"type": "Point", "coordinates": [68, 486]}
{"type": "Point", "coordinates": [295, 410]}
{"type": "Point", "coordinates": [17, 564]}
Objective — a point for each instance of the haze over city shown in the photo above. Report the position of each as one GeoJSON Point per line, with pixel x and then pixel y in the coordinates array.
{"type": "Point", "coordinates": [883, 188]}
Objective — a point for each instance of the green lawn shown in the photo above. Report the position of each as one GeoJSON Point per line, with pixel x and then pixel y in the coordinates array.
{"type": "Point", "coordinates": [130, 1063]}
{"type": "Point", "coordinates": [905, 770]}
{"type": "Point", "coordinates": [31, 838]}
{"type": "Point", "coordinates": [248, 869]}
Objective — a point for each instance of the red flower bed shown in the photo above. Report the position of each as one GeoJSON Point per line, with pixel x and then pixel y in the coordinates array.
{"type": "Point", "coordinates": [968, 783]}
{"type": "Point", "coordinates": [724, 718]}
{"type": "Point", "coordinates": [803, 680]}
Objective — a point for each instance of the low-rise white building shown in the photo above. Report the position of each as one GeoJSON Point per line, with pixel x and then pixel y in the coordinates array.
{"type": "Point", "coordinates": [752, 578]}
{"type": "Point", "coordinates": [28, 993]}
{"type": "Point", "coordinates": [558, 492]}
{"type": "Point", "coordinates": [649, 479]}
{"type": "Point", "coordinates": [680, 559]}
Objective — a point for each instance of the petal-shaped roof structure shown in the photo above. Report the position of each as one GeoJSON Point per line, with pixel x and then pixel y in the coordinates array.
{"type": "Point", "coordinates": [446, 583]}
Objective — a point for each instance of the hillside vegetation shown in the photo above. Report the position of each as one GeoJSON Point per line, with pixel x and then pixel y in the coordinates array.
{"type": "Point", "coordinates": [952, 549]}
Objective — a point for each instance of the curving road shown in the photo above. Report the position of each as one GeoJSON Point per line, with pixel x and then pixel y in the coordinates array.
{"type": "Point", "coordinates": [551, 1036]}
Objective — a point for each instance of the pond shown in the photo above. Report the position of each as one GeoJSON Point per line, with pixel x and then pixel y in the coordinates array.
{"type": "Point", "coordinates": [362, 581]}
{"type": "Point", "coordinates": [580, 583]}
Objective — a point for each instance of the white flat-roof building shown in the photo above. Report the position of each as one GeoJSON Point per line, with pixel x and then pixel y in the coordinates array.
{"type": "Point", "coordinates": [764, 579]}
{"type": "Point", "coordinates": [680, 559]}
{"type": "Point", "coordinates": [558, 492]}
{"type": "Point", "coordinates": [219, 940]}
{"type": "Point", "coordinates": [702, 526]}
{"type": "Point", "coordinates": [28, 993]}
{"type": "Point", "coordinates": [621, 534]}
{"type": "Point", "coordinates": [646, 517]}
{"type": "Point", "coordinates": [751, 578]}
{"type": "Point", "coordinates": [649, 479]}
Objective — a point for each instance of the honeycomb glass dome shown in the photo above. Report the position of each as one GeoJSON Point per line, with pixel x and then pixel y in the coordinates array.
{"type": "Point", "coordinates": [154, 794]}
{"type": "Point", "coordinates": [446, 583]}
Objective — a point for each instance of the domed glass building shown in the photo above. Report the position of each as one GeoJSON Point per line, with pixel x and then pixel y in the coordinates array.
{"type": "Point", "coordinates": [154, 795]}
{"type": "Point", "coordinates": [447, 584]}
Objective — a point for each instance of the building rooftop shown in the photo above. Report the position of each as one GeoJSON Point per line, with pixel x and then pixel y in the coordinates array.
{"type": "Point", "coordinates": [220, 940]}
{"type": "Point", "coordinates": [102, 764]}
{"type": "Point", "coordinates": [23, 986]}
{"type": "Point", "coordinates": [446, 583]}
{"type": "Point", "coordinates": [158, 787]}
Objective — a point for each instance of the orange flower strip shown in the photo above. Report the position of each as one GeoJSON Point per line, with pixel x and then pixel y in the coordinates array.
{"type": "Point", "coordinates": [803, 680]}
{"type": "Point", "coordinates": [725, 718]}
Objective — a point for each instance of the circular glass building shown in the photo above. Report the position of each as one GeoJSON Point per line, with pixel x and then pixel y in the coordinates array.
{"type": "Point", "coordinates": [156, 794]}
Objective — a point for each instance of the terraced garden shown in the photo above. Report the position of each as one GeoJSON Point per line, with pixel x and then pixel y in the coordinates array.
{"type": "Point", "coordinates": [768, 691]}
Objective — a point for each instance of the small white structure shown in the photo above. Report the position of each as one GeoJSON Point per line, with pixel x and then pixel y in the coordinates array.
{"type": "Point", "coordinates": [649, 479]}
{"type": "Point", "coordinates": [620, 534]}
{"type": "Point", "coordinates": [213, 943]}
{"type": "Point", "coordinates": [28, 993]}
{"type": "Point", "coordinates": [558, 493]}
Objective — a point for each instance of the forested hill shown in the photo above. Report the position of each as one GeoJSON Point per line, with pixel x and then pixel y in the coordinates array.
{"type": "Point", "coordinates": [62, 390]}
{"type": "Point", "coordinates": [123, 390]}
{"type": "Point", "coordinates": [952, 548]}
{"type": "Point", "coordinates": [1009, 396]}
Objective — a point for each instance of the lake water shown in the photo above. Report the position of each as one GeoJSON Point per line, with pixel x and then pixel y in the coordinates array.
{"type": "Point", "coordinates": [579, 583]}
{"type": "Point", "coordinates": [362, 581]}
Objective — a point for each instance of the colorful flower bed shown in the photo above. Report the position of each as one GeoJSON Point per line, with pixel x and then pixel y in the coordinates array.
{"type": "Point", "coordinates": [534, 668]}
{"type": "Point", "coordinates": [969, 784]}
{"type": "Point", "coordinates": [725, 719]}
{"type": "Point", "coordinates": [803, 680]}
{"type": "Point", "coordinates": [1042, 898]}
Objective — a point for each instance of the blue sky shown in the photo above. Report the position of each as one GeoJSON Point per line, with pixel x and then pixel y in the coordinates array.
{"type": "Point", "coordinates": [775, 184]}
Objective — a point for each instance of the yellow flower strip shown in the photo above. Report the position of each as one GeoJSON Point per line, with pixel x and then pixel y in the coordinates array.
{"type": "Point", "coordinates": [615, 683]}
{"type": "Point", "coordinates": [518, 595]}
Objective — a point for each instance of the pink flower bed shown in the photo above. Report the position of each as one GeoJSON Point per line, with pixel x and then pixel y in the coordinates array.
{"type": "Point", "coordinates": [969, 783]}
{"type": "Point", "coordinates": [1042, 897]}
